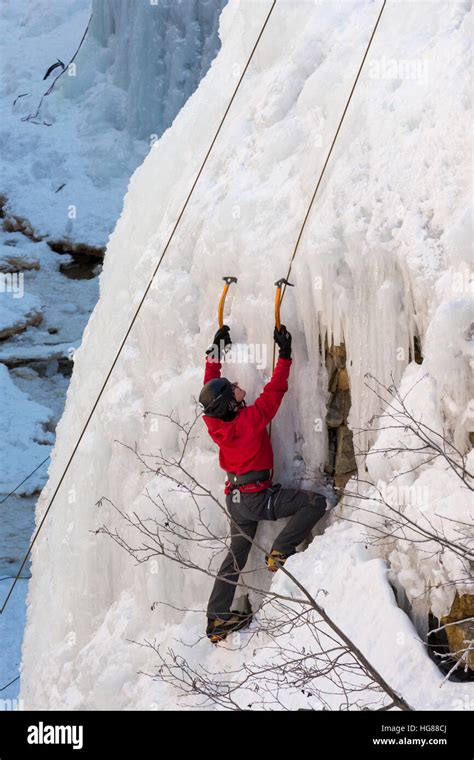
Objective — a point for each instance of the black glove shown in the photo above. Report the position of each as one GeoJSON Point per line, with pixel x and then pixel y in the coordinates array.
{"type": "Point", "coordinates": [220, 343]}
{"type": "Point", "coordinates": [283, 339]}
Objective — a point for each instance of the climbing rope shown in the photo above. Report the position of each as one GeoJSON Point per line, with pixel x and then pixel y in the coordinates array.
{"type": "Point", "coordinates": [9, 684]}
{"type": "Point", "coordinates": [140, 304]}
{"type": "Point", "coordinates": [321, 175]}
{"type": "Point", "coordinates": [25, 479]}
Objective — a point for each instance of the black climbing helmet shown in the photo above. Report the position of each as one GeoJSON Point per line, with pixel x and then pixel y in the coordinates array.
{"type": "Point", "coordinates": [217, 397]}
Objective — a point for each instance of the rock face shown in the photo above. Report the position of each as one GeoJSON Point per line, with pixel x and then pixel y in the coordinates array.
{"type": "Point", "coordinates": [341, 461]}
{"type": "Point", "coordinates": [460, 629]}
{"type": "Point", "coordinates": [83, 262]}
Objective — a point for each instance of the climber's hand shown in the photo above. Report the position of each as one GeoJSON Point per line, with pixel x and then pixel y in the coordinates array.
{"type": "Point", "coordinates": [221, 342]}
{"type": "Point", "coordinates": [283, 340]}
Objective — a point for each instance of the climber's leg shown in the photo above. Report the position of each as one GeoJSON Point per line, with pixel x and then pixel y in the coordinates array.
{"type": "Point", "coordinates": [220, 601]}
{"type": "Point", "coordinates": [304, 508]}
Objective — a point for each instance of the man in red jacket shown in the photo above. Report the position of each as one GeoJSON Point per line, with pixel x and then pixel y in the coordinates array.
{"type": "Point", "coordinates": [246, 455]}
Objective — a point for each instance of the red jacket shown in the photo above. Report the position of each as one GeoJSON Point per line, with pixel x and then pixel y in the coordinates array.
{"type": "Point", "coordinates": [244, 443]}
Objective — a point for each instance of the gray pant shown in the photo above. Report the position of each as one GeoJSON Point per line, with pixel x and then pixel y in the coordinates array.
{"type": "Point", "coordinates": [246, 510]}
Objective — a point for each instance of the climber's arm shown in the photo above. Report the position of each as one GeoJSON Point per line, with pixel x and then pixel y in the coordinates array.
{"type": "Point", "coordinates": [268, 403]}
{"type": "Point", "coordinates": [212, 369]}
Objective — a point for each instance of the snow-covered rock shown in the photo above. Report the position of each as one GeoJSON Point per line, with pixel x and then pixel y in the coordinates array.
{"type": "Point", "coordinates": [12, 318]}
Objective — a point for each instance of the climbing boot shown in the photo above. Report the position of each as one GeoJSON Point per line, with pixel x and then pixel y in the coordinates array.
{"type": "Point", "coordinates": [275, 560]}
{"type": "Point", "coordinates": [217, 630]}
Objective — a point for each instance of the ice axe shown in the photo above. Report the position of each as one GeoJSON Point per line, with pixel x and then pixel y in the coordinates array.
{"type": "Point", "coordinates": [220, 309]}
{"type": "Point", "coordinates": [278, 297]}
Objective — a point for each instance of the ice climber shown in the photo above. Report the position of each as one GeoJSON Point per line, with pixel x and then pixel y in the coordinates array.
{"type": "Point", "coordinates": [246, 455]}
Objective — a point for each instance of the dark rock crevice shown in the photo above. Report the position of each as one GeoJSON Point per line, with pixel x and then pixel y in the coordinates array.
{"type": "Point", "coordinates": [341, 462]}
{"type": "Point", "coordinates": [84, 260]}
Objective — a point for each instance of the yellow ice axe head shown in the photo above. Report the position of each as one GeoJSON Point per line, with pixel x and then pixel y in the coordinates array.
{"type": "Point", "coordinates": [278, 299]}
{"type": "Point", "coordinates": [220, 310]}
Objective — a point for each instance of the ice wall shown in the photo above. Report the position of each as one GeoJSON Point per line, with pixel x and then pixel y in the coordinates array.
{"type": "Point", "coordinates": [386, 229]}
{"type": "Point", "coordinates": [138, 64]}
{"type": "Point", "coordinates": [158, 54]}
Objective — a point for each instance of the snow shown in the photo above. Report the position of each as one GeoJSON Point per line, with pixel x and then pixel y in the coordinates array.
{"type": "Point", "coordinates": [65, 172]}
{"type": "Point", "coordinates": [11, 642]}
{"type": "Point", "coordinates": [138, 65]}
{"type": "Point", "coordinates": [183, 33]}
{"type": "Point", "coordinates": [43, 351]}
{"type": "Point", "coordinates": [426, 491]}
{"type": "Point", "coordinates": [65, 303]}
{"type": "Point", "coordinates": [25, 441]}
{"type": "Point", "coordinates": [34, 390]}
{"type": "Point", "coordinates": [12, 319]}
{"type": "Point", "coordinates": [389, 228]}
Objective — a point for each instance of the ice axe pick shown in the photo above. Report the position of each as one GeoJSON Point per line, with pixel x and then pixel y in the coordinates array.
{"type": "Point", "coordinates": [278, 297]}
{"type": "Point", "coordinates": [220, 309]}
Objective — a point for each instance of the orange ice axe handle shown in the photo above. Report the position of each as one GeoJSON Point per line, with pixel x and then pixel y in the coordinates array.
{"type": "Point", "coordinates": [278, 297]}
{"type": "Point", "coordinates": [220, 310]}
